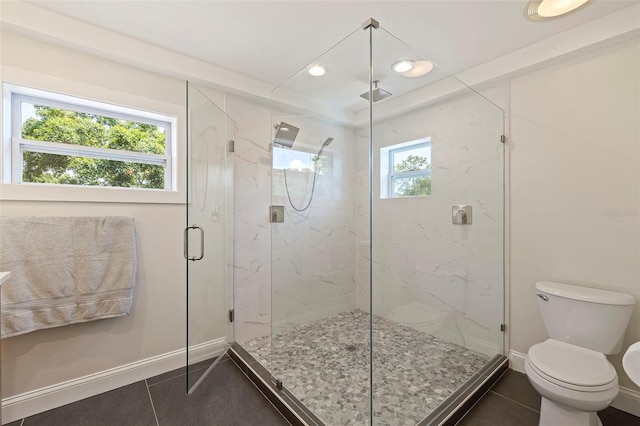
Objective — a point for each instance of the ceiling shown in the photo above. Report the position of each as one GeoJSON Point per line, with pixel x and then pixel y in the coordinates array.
{"type": "Point", "coordinates": [271, 40]}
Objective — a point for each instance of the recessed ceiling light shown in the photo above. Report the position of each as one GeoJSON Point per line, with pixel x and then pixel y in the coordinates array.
{"type": "Point", "coordinates": [545, 9]}
{"type": "Point", "coordinates": [402, 66]}
{"type": "Point", "coordinates": [419, 68]}
{"type": "Point", "coordinates": [317, 70]}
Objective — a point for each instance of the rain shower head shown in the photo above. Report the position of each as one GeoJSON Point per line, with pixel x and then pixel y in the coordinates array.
{"type": "Point", "coordinates": [378, 93]}
{"type": "Point", "coordinates": [285, 134]}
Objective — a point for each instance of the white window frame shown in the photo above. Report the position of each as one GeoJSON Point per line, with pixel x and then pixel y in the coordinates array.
{"type": "Point", "coordinates": [387, 175]}
{"type": "Point", "coordinates": [15, 145]}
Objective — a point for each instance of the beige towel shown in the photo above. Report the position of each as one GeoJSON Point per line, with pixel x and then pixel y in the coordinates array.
{"type": "Point", "coordinates": [65, 270]}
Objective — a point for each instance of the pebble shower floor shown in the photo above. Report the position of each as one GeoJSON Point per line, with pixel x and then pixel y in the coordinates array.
{"type": "Point", "coordinates": [325, 364]}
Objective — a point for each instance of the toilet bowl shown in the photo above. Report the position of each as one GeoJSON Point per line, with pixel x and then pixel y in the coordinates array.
{"type": "Point", "coordinates": [570, 370]}
{"type": "Point", "coordinates": [574, 383]}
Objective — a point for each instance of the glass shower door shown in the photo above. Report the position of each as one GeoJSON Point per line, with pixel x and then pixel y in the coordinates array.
{"type": "Point", "coordinates": [207, 236]}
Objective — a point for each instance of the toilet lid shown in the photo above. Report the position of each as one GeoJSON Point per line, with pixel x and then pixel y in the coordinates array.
{"type": "Point", "coordinates": [571, 364]}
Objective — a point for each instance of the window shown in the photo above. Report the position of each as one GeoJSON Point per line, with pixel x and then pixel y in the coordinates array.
{"type": "Point", "coordinates": [300, 171]}
{"type": "Point", "coordinates": [301, 161]}
{"type": "Point", "coordinates": [62, 140]}
{"type": "Point", "coordinates": [406, 169]}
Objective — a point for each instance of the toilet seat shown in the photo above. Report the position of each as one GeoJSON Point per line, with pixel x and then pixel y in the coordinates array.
{"type": "Point", "coordinates": [572, 367]}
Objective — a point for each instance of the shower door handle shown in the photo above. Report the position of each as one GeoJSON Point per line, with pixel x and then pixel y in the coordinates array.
{"type": "Point", "coordinates": [186, 242]}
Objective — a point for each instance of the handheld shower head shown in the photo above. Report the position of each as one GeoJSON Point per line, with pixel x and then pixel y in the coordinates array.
{"type": "Point", "coordinates": [315, 160]}
{"type": "Point", "coordinates": [285, 134]}
{"type": "Point", "coordinates": [326, 143]}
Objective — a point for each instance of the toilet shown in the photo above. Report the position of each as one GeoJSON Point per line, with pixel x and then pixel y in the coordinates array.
{"type": "Point", "coordinates": [570, 370]}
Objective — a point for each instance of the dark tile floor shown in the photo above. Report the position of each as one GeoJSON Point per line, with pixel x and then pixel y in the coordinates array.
{"type": "Point", "coordinates": [226, 397]}
{"type": "Point", "coordinates": [512, 401]}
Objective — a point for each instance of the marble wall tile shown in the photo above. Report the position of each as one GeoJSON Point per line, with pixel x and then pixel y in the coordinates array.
{"type": "Point", "coordinates": [425, 267]}
{"type": "Point", "coordinates": [252, 232]}
{"type": "Point", "coordinates": [302, 269]}
{"type": "Point", "coordinates": [444, 278]}
{"type": "Point", "coordinates": [253, 312]}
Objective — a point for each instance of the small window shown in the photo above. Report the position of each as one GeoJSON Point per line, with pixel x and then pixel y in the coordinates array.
{"type": "Point", "coordinates": [300, 170]}
{"type": "Point", "coordinates": [62, 140]}
{"type": "Point", "coordinates": [406, 169]}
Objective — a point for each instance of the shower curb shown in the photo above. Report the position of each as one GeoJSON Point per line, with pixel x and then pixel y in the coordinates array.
{"type": "Point", "coordinates": [458, 404]}
{"type": "Point", "coordinates": [450, 412]}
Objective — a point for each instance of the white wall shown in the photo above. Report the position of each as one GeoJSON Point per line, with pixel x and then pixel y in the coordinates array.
{"type": "Point", "coordinates": [157, 320]}
{"type": "Point", "coordinates": [575, 184]}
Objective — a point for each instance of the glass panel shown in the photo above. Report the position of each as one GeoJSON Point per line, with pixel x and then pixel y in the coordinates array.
{"type": "Point", "coordinates": [45, 123]}
{"type": "Point", "coordinates": [320, 343]}
{"type": "Point", "coordinates": [70, 170]}
{"type": "Point", "coordinates": [437, 288]}
{"type": "Point", "coordinates": [208, 196]}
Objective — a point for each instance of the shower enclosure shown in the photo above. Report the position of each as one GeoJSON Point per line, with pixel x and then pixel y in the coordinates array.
{"type": "Point", "coordinates": [387, 239]}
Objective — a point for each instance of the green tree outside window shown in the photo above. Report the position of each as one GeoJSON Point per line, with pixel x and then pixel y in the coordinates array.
{"type": "Point", "coordinates": [412, 186]}
{"type": "Point", "coordinates": [77, 128]}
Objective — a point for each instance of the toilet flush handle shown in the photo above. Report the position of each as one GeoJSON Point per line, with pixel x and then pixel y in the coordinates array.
{"type": "Point", "coordinates": [543, 297]}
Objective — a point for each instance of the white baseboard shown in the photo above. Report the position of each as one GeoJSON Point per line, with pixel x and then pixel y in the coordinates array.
{"type": "Point", "coordinates": [43, 399]}
{"type": "Point", "coordinates": [203, 351]}
{"type": "Point", "coordinates": [516, 361]}
{"type": "Point", "coordinates": [628, 400]}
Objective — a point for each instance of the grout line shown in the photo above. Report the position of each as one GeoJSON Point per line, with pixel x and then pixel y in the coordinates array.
{"type": "Point", "coordinates": [180, 374]}
{"type": "Point", "coordinates": [166, 380]}
{"type": "Point", "coordinates": [151, 400]}
{"type": "Point", "coordinates": [474, 404]}
{"type": "Point", "coordinates": [514, 401]}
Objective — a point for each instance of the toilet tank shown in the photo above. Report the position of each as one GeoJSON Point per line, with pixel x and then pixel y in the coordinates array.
{"type": "Point", "coordinates": [587, 317]}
